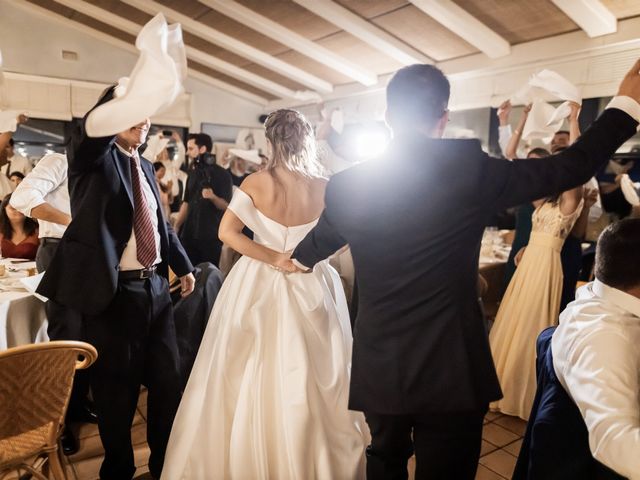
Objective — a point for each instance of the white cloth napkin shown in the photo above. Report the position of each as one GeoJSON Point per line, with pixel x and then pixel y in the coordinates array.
{"type": "Point", "coordinates": [596, 209]}
{"type": "Point", "coordinates": [545, 120]}
{"type": "Point", "coordinates": [155, 145]}
{"type": "Point", "coordinates": [248, 155]}
{"type": "Point", "coordinates": [153, 86]}
{"type": "Point", "coordinates": [9, 121]}
{"type": "Point", "coordinates": [630, 190]}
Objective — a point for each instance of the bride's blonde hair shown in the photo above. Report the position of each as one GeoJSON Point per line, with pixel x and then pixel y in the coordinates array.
{"type": "Point", "coordinates": [293, 143]}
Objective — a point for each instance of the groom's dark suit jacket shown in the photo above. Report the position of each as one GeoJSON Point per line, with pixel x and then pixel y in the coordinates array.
{"type": "Point", "coordinates": [414, 220]}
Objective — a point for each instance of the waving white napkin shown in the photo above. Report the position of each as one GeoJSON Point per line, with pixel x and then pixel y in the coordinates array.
{"type": "Point", "coordinates": [248, 155]}
{"type": "Point", "coordinates": [155, 144]}
{"type": "Point", "coordinates": [630, 190]}
{"type": "Point", "coordinates": [9, 121]}
{"type": "Point", "coordinates": [153, 86]}
{"type": "Point", "coordinates": [545, 120]}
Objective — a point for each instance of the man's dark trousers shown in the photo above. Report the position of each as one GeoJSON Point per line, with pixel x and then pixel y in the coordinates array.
{"type": "Point", "coordinates": [446, 445]}
{"type": "Point", "coordinates": [136, 343]}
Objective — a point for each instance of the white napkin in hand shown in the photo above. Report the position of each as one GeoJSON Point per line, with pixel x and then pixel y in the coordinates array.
{"type": "Point", "coordinates": [538, 126]}
{"type": "Point", "coordinates": [596, 209]}
{"type": "Point", "coordinates": [9, 121]}
{"type": "Point", "coordinates": [545, 120]}
{"type": "Point", "coordinates": [629, 190]}
{"type": "Point", "coordinates": [154, 84]}
{"type": "Point", "coordinates": [155, 145]}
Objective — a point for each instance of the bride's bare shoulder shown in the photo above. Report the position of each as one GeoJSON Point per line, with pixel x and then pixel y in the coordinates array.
{"type": "Point", "coordinates": [256, 182]}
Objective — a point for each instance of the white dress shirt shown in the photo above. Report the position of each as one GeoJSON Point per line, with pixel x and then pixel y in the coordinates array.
{"type": "Point", "coordinates": [46, 183]}
{"type": "Point", "coordinates": [17, 163]}
{"type": "Point", "coordinates": [596, 356]}
{"type": "Point", "coordinates": [129, 259]}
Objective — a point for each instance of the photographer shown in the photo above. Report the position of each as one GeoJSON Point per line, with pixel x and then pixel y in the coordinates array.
{"type": "Point", "coordinates": [207, 195]}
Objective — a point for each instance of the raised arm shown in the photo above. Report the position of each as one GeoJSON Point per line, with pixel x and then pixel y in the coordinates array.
{"type": "Point", "coordinates": [85, 153]}
{"type": "Point", "coordinates": [514, 141]}
{"type": "Point", "coordinates": [504, 128]}
{"type": "Point", "coordinates": [574, 126]}
{"type": "Point", "coordinates": [570, 199]}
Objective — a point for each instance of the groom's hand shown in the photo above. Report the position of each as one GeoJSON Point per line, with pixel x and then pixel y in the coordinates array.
{"type": "Point", "coordinates": [630, 86]}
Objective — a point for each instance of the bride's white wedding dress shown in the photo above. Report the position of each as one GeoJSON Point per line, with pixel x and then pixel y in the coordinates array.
{"type": "Point", "coordinates": [267, 396]}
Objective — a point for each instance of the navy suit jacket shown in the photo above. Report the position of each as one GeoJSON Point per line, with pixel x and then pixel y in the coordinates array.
{"type": "Point", "coordinates": [556, 444]}
{"type": "Point", "coordinates": [84, 271]}
{"type": "Point", "coordinates": [414, 221]}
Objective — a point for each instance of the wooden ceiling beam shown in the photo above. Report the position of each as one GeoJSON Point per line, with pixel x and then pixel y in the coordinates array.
{"type": "Point", "coordinates": [590, 15]}
{"type": "Point", "coordinates": [194, 54]}
{"type": "Point", "coordinates": [293, 40]}
{"type": "Point", "coordinates": [360, 28]}
{"type": "Point", "coordinates": [229, 43]}
{"type": "Point", "coordinates": [116, 42]}
{"type": "Point", "coordinates": [466, 26]}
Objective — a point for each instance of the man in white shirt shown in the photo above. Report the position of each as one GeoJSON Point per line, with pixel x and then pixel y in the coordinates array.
{"type": "Point", "coordinates": [596, 350]}
{"type": "Point", "coordinates": [44, 195]}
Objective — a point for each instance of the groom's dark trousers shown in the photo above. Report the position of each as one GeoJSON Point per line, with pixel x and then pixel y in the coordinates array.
{"type": "Point", "coordinates": [421, 359]}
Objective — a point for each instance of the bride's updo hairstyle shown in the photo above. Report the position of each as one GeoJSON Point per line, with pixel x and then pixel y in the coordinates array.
{"type": "Point", "coordinates": [293, 143]}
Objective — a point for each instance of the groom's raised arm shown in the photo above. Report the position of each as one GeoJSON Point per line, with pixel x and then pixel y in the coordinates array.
{"type": "Point", "coordinates": [324, 240]}
{"type": "Point", "coordinates": [522, 181]}
{"type": "Point", "coordinates": [514, 183]}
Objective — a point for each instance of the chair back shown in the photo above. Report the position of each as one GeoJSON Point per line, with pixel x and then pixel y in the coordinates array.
{"type": "Point", "coordinates": [35, 385]}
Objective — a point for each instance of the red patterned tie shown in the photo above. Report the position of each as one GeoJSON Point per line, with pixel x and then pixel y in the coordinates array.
{"type": "Point", "coordinates": [142, 226]}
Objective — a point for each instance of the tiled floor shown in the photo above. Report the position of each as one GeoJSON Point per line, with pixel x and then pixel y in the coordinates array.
{"type": "Point", "coordinates": [501, 440]}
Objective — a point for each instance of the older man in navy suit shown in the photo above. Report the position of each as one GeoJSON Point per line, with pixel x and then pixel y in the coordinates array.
{"type": "Point", "coordinates": [111, 267]}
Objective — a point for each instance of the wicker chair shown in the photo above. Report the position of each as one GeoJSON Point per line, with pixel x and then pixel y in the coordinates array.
{"type": "Point", "coordinates": [35, 385]}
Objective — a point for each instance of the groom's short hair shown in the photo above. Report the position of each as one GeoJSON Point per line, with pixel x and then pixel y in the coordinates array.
{"type": "Point", "coordinates": [618, 255]}
{"type": "Point", "coordinates": [417, 95]}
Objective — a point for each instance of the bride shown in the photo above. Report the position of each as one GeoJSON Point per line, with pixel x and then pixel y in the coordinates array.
{"type": "Point", "coordinates": [267, 396]}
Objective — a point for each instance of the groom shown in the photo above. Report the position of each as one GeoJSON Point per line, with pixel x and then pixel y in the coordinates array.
{"type": "Point", "coordinates": [422, 370]}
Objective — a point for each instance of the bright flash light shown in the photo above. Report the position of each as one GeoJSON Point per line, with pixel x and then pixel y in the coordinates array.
{"type": "Point", "coordinates": [371, 144]}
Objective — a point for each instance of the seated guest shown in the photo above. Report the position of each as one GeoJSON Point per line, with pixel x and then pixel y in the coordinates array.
{"type": "Point", "coordinates": [596, 350]}
{"type": "Point", "coordinates": [16, 178]}
{"type": "Point", "coordinates": [19, 233]}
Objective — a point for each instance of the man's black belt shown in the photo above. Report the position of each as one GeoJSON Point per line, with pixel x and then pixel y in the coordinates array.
{"type": "Point", "coordinates": [137, 274]}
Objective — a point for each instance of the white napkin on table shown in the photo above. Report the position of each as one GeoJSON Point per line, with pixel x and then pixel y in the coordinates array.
{"type": "Point", "coordinates": [31, 284]}
{"type": "Point", "coordinates": [153, 86]}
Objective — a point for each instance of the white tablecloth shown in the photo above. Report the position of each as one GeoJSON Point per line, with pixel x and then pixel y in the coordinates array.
{"type": "Point", "coordinates": [22, 315]}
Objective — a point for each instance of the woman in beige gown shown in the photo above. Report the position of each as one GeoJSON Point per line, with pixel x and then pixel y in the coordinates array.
{"type": "Point", "coordinates": [531, 303]}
